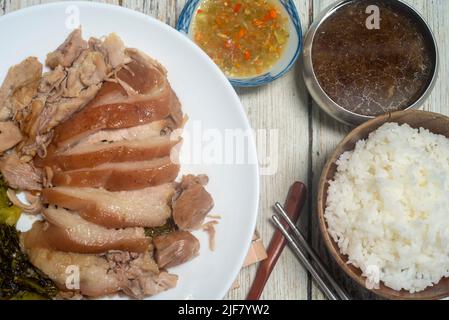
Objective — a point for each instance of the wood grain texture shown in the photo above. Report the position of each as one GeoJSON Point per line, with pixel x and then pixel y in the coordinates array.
{"type": "Point", "coordinates": [282, 105]}
{"type": "Point", "coordinates": [294, 203]}
{"type": "Point", "coordinates": [307, 137]}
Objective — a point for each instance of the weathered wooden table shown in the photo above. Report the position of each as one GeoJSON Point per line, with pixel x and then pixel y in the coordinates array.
{"type": "Point", "coordinates": [306, 137]}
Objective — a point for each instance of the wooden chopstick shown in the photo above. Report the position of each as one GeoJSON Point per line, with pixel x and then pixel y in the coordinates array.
{"type": "Point", "coordinates": [294, 203]}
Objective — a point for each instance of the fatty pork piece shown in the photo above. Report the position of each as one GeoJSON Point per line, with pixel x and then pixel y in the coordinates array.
{"type": "Point", "coordinates": [193, 203]}
{"type": "Point", "coordinates": [149, 207]}
{"type": "Point", "coordinates": [19, 87]}
{"type": "Point", "coordinates": [134, 274]}
{"type": "Point", "coordinates": [67, 231]}
{"type": "Point", "coordinates": [139, 94]}
{"type": "Point", "coordinates": [139, 143]}
{"type": "Point", "coordinates": [123, 176]}
{"type": "Point", "coordinates": [175, 248]}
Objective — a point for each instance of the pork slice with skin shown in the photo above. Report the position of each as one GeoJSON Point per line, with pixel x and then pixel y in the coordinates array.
{"type": "Point", "coordinates": [176, 114]}
{"type": "Point", "coordinates": [67, 231]}
{"type": "Point", "coordinates": [20, 175]}
{"type": "Point", "coordinates": [143, 132]}
{"type": "Point", "coordinates": [193, 203]}
{"type": "Point", "coordinates": [120, 176]}
{"type": "Point", "coordinates": [140, 94]}
{"type": "Point", "coordinates": [56, 112]}
{"type": "Point", "coordinates": [134, 144]}
{"type": "Point", "coordinates": [175, 248]}
{"type": "Point", "coordinates": [80, 72]}
{"type": "Point", "coordinates": [149, 207]}
{"type": "Point", "coordinates": [134, 274]}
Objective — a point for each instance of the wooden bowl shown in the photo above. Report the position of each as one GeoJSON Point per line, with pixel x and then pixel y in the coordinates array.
{"type": "Point", "coordinates": [435, 123]}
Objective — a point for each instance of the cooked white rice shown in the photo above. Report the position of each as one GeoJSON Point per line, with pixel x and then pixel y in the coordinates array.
{"type": "Point", "coordinates": [388, 207]}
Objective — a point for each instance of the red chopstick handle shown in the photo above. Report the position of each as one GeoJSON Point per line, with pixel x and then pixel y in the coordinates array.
{"type": "Point", "coordinates": [294, 203]}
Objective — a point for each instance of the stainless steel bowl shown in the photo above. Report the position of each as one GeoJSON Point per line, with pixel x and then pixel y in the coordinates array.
{"type": "Point", "coordinates": [320, 96]}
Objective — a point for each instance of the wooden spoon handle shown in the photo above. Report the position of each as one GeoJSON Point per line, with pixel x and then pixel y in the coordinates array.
{"type": "Point", "coordinates": [293, 205]}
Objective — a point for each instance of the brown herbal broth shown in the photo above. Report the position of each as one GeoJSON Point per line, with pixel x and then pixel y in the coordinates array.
{"type": "Point", "coordinates": [371, 72]}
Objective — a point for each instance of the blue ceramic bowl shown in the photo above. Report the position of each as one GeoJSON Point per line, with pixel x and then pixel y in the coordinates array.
{"type": "Point", "coordinates": [280, 68]}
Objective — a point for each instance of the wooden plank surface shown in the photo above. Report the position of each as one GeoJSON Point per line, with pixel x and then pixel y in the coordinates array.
{"type": "Point", "coordinates": [306, 138]}
{"type": "Point", "coordinates": [282, 105]}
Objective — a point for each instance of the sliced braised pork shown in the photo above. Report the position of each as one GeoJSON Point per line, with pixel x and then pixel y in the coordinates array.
{"type": "Point", "coordinates": [140, 94]}
{"type": "Point", "coordinates": [67, 231]}
{"type": "Point", "coordinates": [175, 248]}
{"type": "Point", "coordinates": [134, 274]}
{"type": "Point", "coordinates": [20, 175]}
{"type": "Point", "coordinates": [120, 176]}
{"type": "Point", "coordinates": [79, 85]}
{"type": "Point", "coordinates": [149, 207]}
{"type": "Point", "coordinates": [193, 204]}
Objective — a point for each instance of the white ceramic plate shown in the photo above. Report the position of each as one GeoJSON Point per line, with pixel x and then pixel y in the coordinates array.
{"type": "Point", "coordinates": [206, 96]}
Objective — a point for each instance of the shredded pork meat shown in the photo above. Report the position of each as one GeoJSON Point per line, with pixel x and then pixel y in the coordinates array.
{"type": "Point", "coordinates": [135, 274]}
{"type": "Point", "coordinates": [209, 228]}
{"type": "Point", "coordinates": [78, 72]}
{"type": "Point", "coordinates": [20, 175]}
{"type": "Point", "coordinates": [193, 203]}
{"type": "Point", "coordinates": [19, 87]}
{"type": "Point", "coordinates": [68, 51]}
